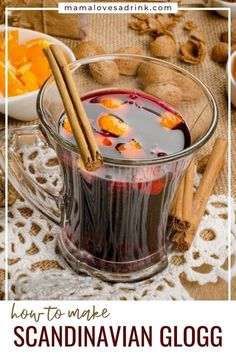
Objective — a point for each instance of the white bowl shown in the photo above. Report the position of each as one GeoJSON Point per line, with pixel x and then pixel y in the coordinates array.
{"type": "Point", "coordinates": [221, 3]}
{"type": "Point", "coordinates": [23, 107]}
{"type": "Point", "coordinates": [229, 68]}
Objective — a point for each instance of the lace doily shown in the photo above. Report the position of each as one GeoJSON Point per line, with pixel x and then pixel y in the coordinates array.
{"type": "Point", "coordinates": [38, 271]}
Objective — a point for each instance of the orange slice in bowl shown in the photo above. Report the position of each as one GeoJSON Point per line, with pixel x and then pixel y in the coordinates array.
{"type": "Point", "coordinates": [33, 52]}
{"type": "Point", "coordinates": [30, 81]}
{"type": "Point", "coordinates": [15, 87]}
{"type": "Point", "coordinates": [2, 78]}
{"type": "Point", "coordinates": [13, 35]}
{"type": "Point", "coordinates": [23, 69]}
{"type": "Point", "coordinates": [42, 42]}
{"type": "Point", "coordinates": [2, 56]}
{"type": "Point", "coordinates": [40, 68]}
{"type": "Point", "coordinates": [17, 53]}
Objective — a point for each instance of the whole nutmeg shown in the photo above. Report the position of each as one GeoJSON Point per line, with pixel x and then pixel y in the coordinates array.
{"type": "Point", "coordinates": [149, 73]}
{"type": "Point", "coordinates": [104, 72]}
{"type": "Point", "coordinates": [88, 49]}
{"type": "Point", "coordinates": [128, 67]}
{"type": "Point", "coordinates": [225, 37]}
{"type": "Point", "coordinates": [163, 46]}
{"type": "Point", "coordinates": [167, 92]}
{"type": "Point", "coordinates": [219, 52]}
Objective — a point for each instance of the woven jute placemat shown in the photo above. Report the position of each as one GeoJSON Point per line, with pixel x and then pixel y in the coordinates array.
{"type": "Point", "coordinates": [111, 31]}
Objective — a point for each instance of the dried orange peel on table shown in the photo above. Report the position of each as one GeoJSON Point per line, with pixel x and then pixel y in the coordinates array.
{"type": "Point", "coordinates": [28, 67]}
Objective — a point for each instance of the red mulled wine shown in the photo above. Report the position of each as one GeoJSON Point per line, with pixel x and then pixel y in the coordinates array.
{"type": "Point", "coordinates": [116, 217]}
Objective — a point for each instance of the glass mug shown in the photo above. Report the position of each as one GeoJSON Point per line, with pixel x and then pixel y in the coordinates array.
{"type": "Point", "coordinates": [112, 232]}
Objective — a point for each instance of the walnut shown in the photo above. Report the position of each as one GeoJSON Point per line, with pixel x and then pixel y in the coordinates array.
{"type": "Point", "coordinates": [136, 25]}
{"type": "Point", "coordinates": [167, 22]}
{"type": "Point", "coordinates": [168, 92]}
{"type": "Point", "coordinates": [163, 46]}
{"type": "Point", "coordinates": [190, 90]}
{"type": "Point", "coordinates": [198, 35]}
{"type": "Point", "coordinates": [149, 73]}
{"type": "Point", "coordinates": [128, 66]}
{"type": "Point", "coordinates": [225, 37]}
{"type": "Point", "coordinates": [142, 17]}
{"type": "Point", "coordinates": [88, 49]}
{"type": "Point", "coordinates": [178, 16]}
{"type": "Point", "coordinates": [192, 51]}
{"type": "Point", "coordinates": [219, 52]}
{"type": "Point", "coordinates": [104, 72]}
{"type": "Point", "coordinates": [190, 26]}
{"type": "Point", "coordinates": [155, 27]}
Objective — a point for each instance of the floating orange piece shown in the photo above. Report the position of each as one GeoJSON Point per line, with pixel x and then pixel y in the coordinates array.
{"type": "Point", "coordinates": [111, 103]}
{"type": "Point", "coordinates": [101, 141]}
{"type": "Point", "coordinates": [66, 125]}
{"type": "Point", "coordinates": [112, 124]}
{"type": "Point", "coordinates": [106, 142]}
{"type": "Point", "coordinates": [170, 120]}
{"type": "Point", "coordinates": [131, 150]}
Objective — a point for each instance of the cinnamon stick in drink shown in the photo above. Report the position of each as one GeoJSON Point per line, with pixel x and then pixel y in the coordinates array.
{"type": "Point", "coordinates": [80, 125]}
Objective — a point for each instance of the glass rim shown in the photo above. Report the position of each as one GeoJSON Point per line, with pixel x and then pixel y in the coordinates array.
{"type": "Point", "coordinates": [123, 161]}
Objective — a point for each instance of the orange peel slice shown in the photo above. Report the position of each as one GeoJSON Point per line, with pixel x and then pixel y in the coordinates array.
{"type": "Point", "coordinates": [112, 124]}
{"type": "Point", "coordinates": [111, 103]}
{"type": "Point", "coordinates": [132, 149]}
{"type": "Point", "coordinates": [170, 120]}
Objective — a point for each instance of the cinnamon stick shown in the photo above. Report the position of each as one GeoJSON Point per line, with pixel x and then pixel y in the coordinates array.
{"type": "Point", "coordinates": [80, 125]}
{"type": "Point", "coordinates": [209, 178]}
{"type": "Point", "coordinates": [183, 240]}
{"type": "Point", "coordinates": [182, 210]}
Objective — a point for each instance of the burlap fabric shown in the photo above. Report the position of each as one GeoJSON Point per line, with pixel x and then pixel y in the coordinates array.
{"type": "Point", "coordinates": [111, 32]}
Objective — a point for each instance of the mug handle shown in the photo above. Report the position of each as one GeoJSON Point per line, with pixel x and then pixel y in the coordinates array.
{"type": "Point", "coordinates": [49, 205]}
